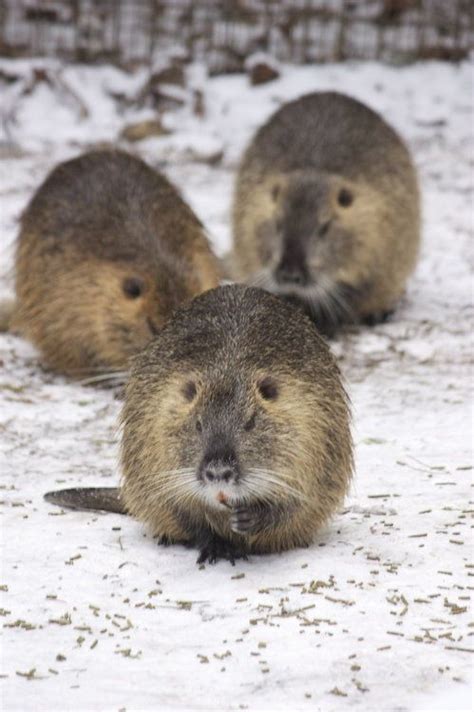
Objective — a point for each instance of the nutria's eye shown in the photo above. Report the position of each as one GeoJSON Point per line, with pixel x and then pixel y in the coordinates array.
{"type": "Point", "coordinates": [199, 426]}
{"type": "Point", "coordinates": [268, 388]}
{"type": "Point", "coordinates": [250, 424]}
{"type": "Point", "coordinates": [345, 198]}
{"type": "Point", "coordinates": [275, 192]}
{"type": "Point", "coordinates": [133, 287]}
{"type": "Point", "coordinates": [189, 391]}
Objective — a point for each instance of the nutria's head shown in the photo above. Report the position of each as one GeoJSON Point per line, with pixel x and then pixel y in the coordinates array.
{"type": "Point", "coordinates": [315, 246]}
{"type": "Point", "coordinates": [107, 250]}
{"type": "Point", "coordinates": [92, 316]}
{"type": "Point", "coordinates": [237, 401]}
{"type": "Point", "coordinates": [131, 303]}
{"type": "Point", "coordinates": [326, 210]}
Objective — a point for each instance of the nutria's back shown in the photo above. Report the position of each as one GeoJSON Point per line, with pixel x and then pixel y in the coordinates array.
{"type": "Point", "coordinates": [112, 206]}
{"type": "Point", "coordinates": [236, 426]}
{"type": "Point", "coordinates": [107, 250]}
{"type": "Point", "coordinates": [331, 133]}
{"type": "Point", "coordinates": [326, 210]}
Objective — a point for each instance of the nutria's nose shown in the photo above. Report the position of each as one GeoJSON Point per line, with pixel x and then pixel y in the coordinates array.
{"type": "Point", "coordinates": [219, 472]}
{"type": "Point", "coordinates": [292, 272]}
{"type": "Point", "coordinates": [219, 463]}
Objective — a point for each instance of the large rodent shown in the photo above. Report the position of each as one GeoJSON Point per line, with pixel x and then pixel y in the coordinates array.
{"type": "Point", "coordinates": [236, 434]}
{"type": "Point", "coordinates": [326, 210]}
{"type": "Point", "coordinates": [107, 250]}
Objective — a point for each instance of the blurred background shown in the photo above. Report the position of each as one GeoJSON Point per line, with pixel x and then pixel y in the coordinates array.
{"type": "Point", "coordinates": [184, 84]}
{"type": "Point", "coordinates": [224, 33]}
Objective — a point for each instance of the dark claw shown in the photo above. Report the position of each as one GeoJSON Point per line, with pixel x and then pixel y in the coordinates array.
{"type": "Point", "coordinates": [377, 318]}
{"type": "Point", "coordinates": [217, 548]}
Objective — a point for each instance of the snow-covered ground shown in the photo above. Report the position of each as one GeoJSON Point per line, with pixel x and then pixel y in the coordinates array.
{"type": "Point", "coordinates": [375, 616]}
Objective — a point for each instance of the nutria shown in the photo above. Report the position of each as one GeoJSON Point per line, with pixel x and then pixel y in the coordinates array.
{"type": "Point", "coordinates": [107, 250]}
{"type": "Point", "coordinates": [326, 210]}
{"type": "Point", "coordinates": [236, 433]}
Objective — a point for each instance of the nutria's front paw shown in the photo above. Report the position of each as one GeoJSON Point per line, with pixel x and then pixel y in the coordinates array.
{"type": "Point", "coordinates": [379, 317]}
{"type": "Point", "coordinates": [215, 548]}
{"type": "Point", "coordinates": [243, 520]}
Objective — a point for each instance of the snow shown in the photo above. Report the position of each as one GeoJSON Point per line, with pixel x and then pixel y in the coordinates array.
{"type": "Point", "coordinates": [375, 615]}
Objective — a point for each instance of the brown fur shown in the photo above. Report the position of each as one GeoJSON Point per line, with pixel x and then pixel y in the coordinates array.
{"type": "Point", "coordinates": [7, 307]}
{"type": "Point", "coordinates": [356, 258]}
{"type": "Point", "coordinates": [221, 348]}
{"type": "Point", "coordinates": [97, 221]}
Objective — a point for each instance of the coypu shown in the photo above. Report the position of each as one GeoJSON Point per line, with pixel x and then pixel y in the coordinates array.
{"type": "Point", "coordinates": [236, 434]}
{"type": "Point", "coordinates": [326, 210]}
{"type": "Point", "coordinates": [107, 250]}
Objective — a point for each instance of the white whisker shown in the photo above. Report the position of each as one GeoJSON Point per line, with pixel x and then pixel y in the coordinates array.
{"type": "Point", "coordinates": [118, 376]}
{"type": "Point", "coordinates": [274, 483]}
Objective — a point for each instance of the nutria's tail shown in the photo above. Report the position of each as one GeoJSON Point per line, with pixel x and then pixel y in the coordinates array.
{"type": "Point", "coordinates": [7, 307]}
{"type": "Point", "coordinates": [97, 498]}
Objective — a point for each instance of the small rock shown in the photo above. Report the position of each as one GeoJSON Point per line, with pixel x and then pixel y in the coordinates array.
{"type": "Point", "coordinates": [199, 106]}
{"type": "Point", "coordinates": [9, 149]}
{"type": "Point", "coordinates": [142, 130]}
{"type": "Point", "coordinates": [444, 54]}
{"type": "Point", "coordinates": [174, 74]}
{"type": "Point", "coordinates": [163, 100]}
{"type": "Point", "coordinates": [262, 73]}
{"type": "Point", "coordinates": [225, 61]}
{"type": "Point", "coordinates": [261, 69]}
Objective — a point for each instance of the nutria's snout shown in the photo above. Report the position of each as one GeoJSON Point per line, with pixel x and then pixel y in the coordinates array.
{"type": "Point", "coordinates": [219, 471]}
{"type": "Point", "coordinates": [292, 269]}
{"type": "Point", "coordinates": [292, 273]}
{"type": "Point", "coordinates": [219, 462]}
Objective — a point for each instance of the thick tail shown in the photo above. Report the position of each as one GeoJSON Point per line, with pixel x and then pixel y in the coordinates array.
{"type": "Point", "coordinates": [7, 307]}
{"type": "Point", "coordinates": [106, 499]}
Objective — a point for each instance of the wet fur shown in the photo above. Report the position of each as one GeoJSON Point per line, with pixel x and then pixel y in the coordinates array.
{"type": "Point", "coordinates": [7, 307]}
{"type": "Point", "coordinates": [97, 220]}
{"type": "Point", "coordinates": [297, 460]}
{"type": "Point", "coordinates": [315, 146]}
